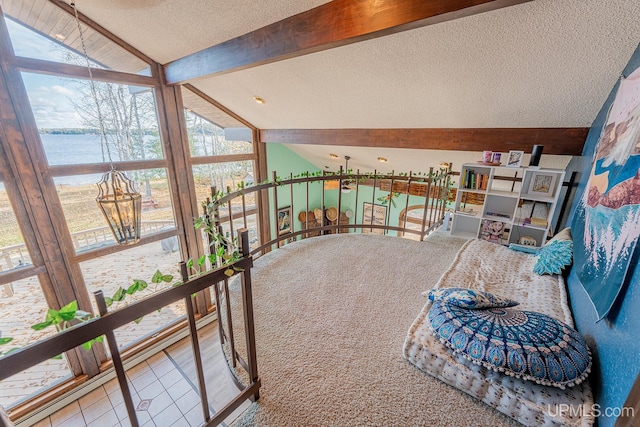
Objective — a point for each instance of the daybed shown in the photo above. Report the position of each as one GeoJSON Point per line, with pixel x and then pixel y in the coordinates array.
{"type": "Point", "coordinates": [499, 270]}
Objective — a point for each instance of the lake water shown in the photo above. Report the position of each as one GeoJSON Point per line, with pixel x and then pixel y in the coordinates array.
{"type": "Point", "coordinates": [64, 149]}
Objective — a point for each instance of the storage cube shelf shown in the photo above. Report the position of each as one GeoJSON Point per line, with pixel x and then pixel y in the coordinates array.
{"type": "Point", "coordinates": [518, 204]}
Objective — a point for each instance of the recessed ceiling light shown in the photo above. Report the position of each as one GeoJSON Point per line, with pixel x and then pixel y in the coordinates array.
{"type": "Point", "coordinates": [59, 36]}
{"type": "Point", "coordinates": [382, 160]}
{"type": "Point", "coordinates": [259, 100]}
{"type": "Point", "coordinates": [333, 156]}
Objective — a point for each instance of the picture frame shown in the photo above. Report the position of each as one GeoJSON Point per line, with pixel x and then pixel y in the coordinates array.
{"type": "Point", "coordinates": [494, 231]}
{"type": "Point", "coordinates": [284, 221]}
{"type": "Point", "coordinates": [375, 215]}
{"type": "Point", "coordinates": [542, 184]}
{"type": "Point", "coordinates": [515, 158]}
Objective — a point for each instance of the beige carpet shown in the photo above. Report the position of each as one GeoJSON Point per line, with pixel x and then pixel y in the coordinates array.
{"type": "Point", "coordinates": [331, 315]}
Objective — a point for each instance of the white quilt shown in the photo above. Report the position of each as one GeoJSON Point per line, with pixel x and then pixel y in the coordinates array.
{"type": "Point", "coordinates": [502, 271]}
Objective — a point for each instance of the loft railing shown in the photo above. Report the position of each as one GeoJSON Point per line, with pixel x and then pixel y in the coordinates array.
{"type": "Point", "coordinates": [109, 321]}
{"type": "Point", "coordinates": [382, 189]}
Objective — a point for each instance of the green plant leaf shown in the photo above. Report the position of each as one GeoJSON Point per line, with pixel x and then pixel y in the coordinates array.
{"type": "Point", "coordinates": [58, 357]}
{"type": "Point", "coordinates": [5, 340]}
{"type": "Point", "coordinates": [138, 320]}
{"type": "Point", "coordinates": [12, 350]}
{"type": "Point", "coordinates": [167, 278]}
{"type": "Point", "coordinates": [108, 301]}
{"type": "Point", "coordinates": [87, 345]}
{"type": "Point", "coordinates": [83, 315]}
{"type": "Point", "coordinates": [41, 326]}
{"type": "Point", "coordinates": [190, 263]}
{"type": "Point", "coordinates": [132, 289]}
{"type": "Point", "coordinates": [157, 277]}
{"type": "Point", "coordinates": [120, 294]}
{"type": "Point", "coordinates": [202, 260]}
{"type": "Point", "coordinates": [142, 285]}
{"type": "Point", "coordinates": [229, 272]}
{"type": "Point", "coordinates": [198, 223]}
{"type": "Point", "coordinates": [68, 312]}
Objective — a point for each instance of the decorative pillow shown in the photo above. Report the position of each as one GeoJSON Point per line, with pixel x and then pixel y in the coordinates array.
{"type": "Point", "coordinates": [470, 298]}
{"type": "Point", "coordinates": [524, 248]}
{"type": "Point", "coordinates": [565, 234]}
{"type": "Point", "coordinates": [554, 257]}
{"type": "Point", "coordinates": [524, 344]}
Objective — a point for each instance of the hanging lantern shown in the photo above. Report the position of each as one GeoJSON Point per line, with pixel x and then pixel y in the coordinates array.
{"type": "Point", "coordinates": [121, 205]}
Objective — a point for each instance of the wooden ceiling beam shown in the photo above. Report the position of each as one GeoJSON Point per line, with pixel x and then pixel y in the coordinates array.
{"type": "Point", "coordinates": [334, 24]}
{"type": "Point", "coordinates": [562, 141]}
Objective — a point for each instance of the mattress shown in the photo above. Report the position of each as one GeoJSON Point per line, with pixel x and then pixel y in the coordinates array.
{"type": "Point", "coordinates": [494, 268]}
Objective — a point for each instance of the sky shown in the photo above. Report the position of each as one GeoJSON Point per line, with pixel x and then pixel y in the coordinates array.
{"type": "Point", "coordinates": [49, 95]}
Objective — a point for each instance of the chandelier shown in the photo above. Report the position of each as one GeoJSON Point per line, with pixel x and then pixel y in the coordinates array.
{"type": "Point", "coordinates": [118, 200]}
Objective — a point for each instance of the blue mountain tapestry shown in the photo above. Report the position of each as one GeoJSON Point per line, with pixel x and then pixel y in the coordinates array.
{"type": "Point", "coordinates": [606, 225]}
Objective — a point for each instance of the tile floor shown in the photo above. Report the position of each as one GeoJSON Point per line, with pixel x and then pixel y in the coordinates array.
{"type": "Point", "coordinates": [162, 395]}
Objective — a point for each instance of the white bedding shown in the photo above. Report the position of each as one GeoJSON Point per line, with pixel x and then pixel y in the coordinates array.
{"type": "Point", "coordinates": [502, 271]}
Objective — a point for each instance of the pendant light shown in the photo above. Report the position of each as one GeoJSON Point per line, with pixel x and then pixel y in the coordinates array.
{"type": "Point", "coordinates": [346, 184]}
{"type": "Point", "coordinates": [118, 200]}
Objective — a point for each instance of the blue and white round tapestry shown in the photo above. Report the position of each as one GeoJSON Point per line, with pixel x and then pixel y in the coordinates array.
{"type": "Point", "coordinates": [523, 344]}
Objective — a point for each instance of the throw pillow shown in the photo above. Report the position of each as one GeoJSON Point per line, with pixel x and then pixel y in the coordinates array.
{"type": "Point", "coordinates": [554, 257]}
{"type": "Point", "coordinates": [565, 234]}
{"type": "Point", "coordinates": [470, 298]}
{"type": "Point", "coordinates": [524, 344]}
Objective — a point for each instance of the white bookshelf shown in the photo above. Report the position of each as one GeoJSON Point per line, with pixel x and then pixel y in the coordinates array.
{"type": "Point", "coordinates": [517, 209]}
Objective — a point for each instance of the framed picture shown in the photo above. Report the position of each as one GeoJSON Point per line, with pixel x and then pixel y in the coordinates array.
{"type": "Point", "coordinates": [284, 220]}
{"type": "Point", "coordinates": [375, 215]}
{"type": "Point", "coordinates": [515, 159]}
{"type": "Point", "coordinates": [494, 231]}
{"type": "Point", "coordinates": [542, 184]}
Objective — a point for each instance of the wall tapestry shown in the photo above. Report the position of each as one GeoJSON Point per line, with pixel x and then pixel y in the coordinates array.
{"type": "Point", "coordinates": [606, 226]}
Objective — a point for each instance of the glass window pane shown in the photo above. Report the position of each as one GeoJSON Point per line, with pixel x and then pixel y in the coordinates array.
{"type": "Point", "coordinates": [41, 30]}
{"type": "Point", "coordinates": [22, 304]}
{"type": "Point", "coordinates": [208, 139]}
{"type": "Point", "coordinates": [223, 175]}
{"type": "Point", "coordinates": [67, 117]}
{"type": "Point", "coordinates": [25, 307]}
{"type": "Point", "coordinates": [86, 223]}
{"type": "Point", "coordinates": [13, 252]}
{"type": "Point", "coordinates": [110, 272]}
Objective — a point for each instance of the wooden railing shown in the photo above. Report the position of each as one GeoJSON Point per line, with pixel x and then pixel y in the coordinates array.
{"type": "Point", "coordinates": [16, 256]}
{"type": "Point", "coordinates": [107, 322]}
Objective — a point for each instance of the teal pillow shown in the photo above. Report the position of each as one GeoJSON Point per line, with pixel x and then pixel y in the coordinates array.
{"type": "Point", "coordinates": [470, 298]}
{"type": "Point", "coordinates": [554, 257]}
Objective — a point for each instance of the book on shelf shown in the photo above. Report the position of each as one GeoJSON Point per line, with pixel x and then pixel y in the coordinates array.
{"type": "Point", "coordinates": [537, 222]}
{"type": "Point", "coordinates": [499, 215]}
{"type": "Point", "coordinates": [474, 181]}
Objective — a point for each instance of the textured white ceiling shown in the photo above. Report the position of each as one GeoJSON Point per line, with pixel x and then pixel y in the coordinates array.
{"type": "Point", "coordinates": [546, 63]}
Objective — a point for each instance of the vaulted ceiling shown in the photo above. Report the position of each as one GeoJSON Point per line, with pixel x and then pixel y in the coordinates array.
{"type": "Point", "coordinates": [537, 64]}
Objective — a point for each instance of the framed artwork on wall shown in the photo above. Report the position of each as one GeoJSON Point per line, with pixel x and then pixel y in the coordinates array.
{"type": "Point", "coordinates": [284, 220]}
{"type": "Point", "coordinates": [374, 215]}
{"type": "Point", "coordinates": [606, 224]}
{"type": "Point", "coordinates": [515, 159]}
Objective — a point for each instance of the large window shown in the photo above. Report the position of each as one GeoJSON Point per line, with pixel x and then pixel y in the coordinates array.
{"type": "Point", "coordinates": [57, 38]}
{"type": "Point", "coordinates": [22, 304]}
